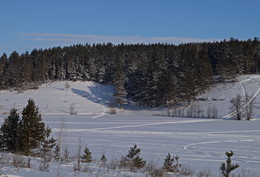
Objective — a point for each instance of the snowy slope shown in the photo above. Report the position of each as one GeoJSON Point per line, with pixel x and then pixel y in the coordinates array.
{"type": "Point", "coordinates": [200, 143]}
{"type": "Point", "coordinates": [54, 99]}
{"type": "Point", "coordinates": [222, 94]}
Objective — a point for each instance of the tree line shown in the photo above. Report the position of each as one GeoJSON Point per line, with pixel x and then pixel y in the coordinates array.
{"type": "Point", "coordinates": [151, 74]}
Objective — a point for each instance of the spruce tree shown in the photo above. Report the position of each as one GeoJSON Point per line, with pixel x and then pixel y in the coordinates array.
{"type": "Point", "coordinates": [9, 129]}
{"type": "Point", "coordinates": [86, 157]}
{"type": "Point", "coordinates": [32, 129]}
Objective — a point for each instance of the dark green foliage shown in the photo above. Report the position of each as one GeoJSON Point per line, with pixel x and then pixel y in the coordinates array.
{"type": "Point", "coordinates": [31, 128]}
{"type": "Point", "coordinates": [227, 168]}
{"type": "Point", "coordinates": [47, 144]}
{"type": "Point", "coordinates": [168, 162]}
{"type": "Point", "coordinates": [56, 152]}
{"type": "Point", "coordinates": [103, 159]}
{"type": "Point", "coordinates": [26, 134]}
{"type": "Point", "coordinates": [153, 75]}
{"type": "Point", "coordinates": [132, 160]}
{"type": "Point", "coordinates": [169, 165]}
{"type": "Point", "coordinates": [86, 157]}
{"type": "Point", "coordinates": [66, 156]}
{"type": "Point", "coordinates": [10, 130]}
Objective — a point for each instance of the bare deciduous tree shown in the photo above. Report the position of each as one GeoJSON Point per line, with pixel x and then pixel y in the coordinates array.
{"type": "Point", "coordinates": [236, 107]}
{"type": "Point", "coordinates": [249, 105]}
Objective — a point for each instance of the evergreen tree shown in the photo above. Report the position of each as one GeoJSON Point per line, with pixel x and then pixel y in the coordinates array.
{"type": "Point", "coordinates": [119, 81]}
{"type": "Point", "coordinates": [86, 157]}
{"type": "Point", "coordinates": [66, 156]}
{"type": "Point", "coordinates": [103, 159]}
{"type": "Point", "coordinates": [3, 63]}
{"type": "Point", "coordinates": [32, 129]}
{"type": "Point", "coordinates": [132, 160]}
{"type": "Point", "coordinates": [226, 169]}
{"type": "Point", "coordinates": [168, 163]}
{"type": "Point", "coordinates": [10, 131]}
{"type": "Point", "coordinates": [56, 152]}
{"type": "Point", "coordinates": [47, 144]}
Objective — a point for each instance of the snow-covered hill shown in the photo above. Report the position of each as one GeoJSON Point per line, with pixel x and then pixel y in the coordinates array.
{"type": "Point", "coordinates": [57, 99]}
{"type": "Point", "coordinates": [89, 98]}
{"type": "Point", "coordinates": [222, 94]}
{"type": "Point", "coordinates": [200, 143]}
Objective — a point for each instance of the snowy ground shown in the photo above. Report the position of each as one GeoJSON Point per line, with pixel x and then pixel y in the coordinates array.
{"type": "Point", "coordinates": [200, 143]}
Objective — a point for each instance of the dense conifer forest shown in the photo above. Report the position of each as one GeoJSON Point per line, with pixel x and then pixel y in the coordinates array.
{"type": "Point", "coordinates": [151, 74]}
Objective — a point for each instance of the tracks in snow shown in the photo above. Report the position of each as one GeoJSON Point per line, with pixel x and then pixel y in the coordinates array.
{"type": "Point", "coordinates": [244, 95]}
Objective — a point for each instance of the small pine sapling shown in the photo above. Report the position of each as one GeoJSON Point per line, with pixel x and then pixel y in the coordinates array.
{"type": "Point", "coordinates": [66, 156]}
{"type": "Point", "coordinates": [168, 162]}
{"type": "Point", "coordinates": [103, 159]}
{"type": "Point", "coordinates": [226, 169]}
{"type": "Point", "coordinates": [56, 152]}
{"type": "Point", "coordinates": [132, 160]}
{"type": "Point", "coordinates": [86, 157]}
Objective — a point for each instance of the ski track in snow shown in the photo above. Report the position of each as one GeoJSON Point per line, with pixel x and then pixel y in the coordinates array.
{"type": "Point", "coordinates": [244, 94]}
{"type": "Point", "coordinates": [101, 114]}
{"type": "Point", "coordinates": [140, 125]}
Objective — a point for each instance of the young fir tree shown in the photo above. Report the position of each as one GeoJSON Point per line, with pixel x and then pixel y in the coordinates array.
{"type": "Point", "coordinates": [47, 144]}
{"type": "Point", "coordinates": [31, 128]}
{"type": "Point", "coordinates": [66, 156]}
{"type": "Point", "coordinates": [226, 169]}
{"type": "Point", "coordinates": [56, 152]}
{"type": "Point", "coordinates": [9, 129]}
{"type": "Point", "coordinates": [132, 160]}
{"type": "Point", "coordinates": [86, 157]}
{"type": "Point", "coordinates": [168, 163]}
{"type": "Point", "coordinates": [103, 159]}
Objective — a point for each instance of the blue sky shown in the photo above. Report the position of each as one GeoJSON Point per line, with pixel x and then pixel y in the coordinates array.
{"type": "Point", "coordinates": [29, 24]}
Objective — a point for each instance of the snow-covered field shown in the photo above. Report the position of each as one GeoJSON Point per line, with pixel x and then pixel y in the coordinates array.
{"type": "Point", "coordinates": [200, 143]}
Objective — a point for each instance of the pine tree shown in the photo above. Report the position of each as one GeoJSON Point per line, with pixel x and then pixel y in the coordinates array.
{"type": "Point", "coordinates": [103, 159]}
{"type": "Point", "coordinates": [66, 156]}
{"type": "Point", "coordinates": [47, 144]}
{"type": "Point", "coordinates": [119, 83]}
{"type": "Point", "coordinates": [132, 160]}
{"type": "Point", "coordinates": [31, 128]}
{"type": "Point", "coordinates": [56, 152]}
{"type": "Point", "coordinates": [3, 63]}
{"type": "Point", "coordinates": [86, 157]}
{"type": "Point", "coordinates": [168, 163]}
{"type": "Point", "coordinates": [226, 169]}
{"type": "Point", "coordinates": [9, 131]}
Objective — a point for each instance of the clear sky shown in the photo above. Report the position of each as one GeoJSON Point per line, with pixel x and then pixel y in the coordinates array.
{"type": "Point", "coordinates": [29, 24]}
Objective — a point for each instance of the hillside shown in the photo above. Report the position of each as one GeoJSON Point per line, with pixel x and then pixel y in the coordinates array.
{"type": "Point", "coordinates": [200, 143]}
{"type": "Point", "coordinates": [90, 98]}
{"type": "Point", "coordinates": [83, 98]}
